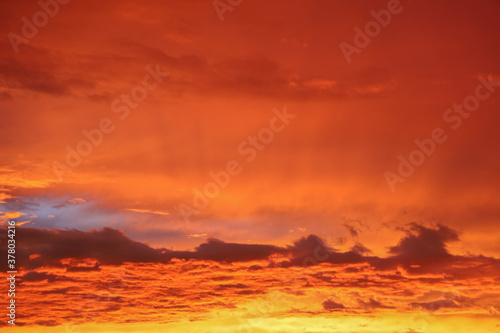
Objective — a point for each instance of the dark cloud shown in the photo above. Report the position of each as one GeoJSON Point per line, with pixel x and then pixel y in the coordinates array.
{"type": "Point", "coordinates": [218, 250]}
{"type": "Point", "coordinates": [107, 246]}
{"type": "Point", "coordinates": [244, 75]}
{"type": "Point", "coordinates": [360, 249]}
{"type": "Point", "coordinates": [232, 286]}
{"type": "Point", "coordinates": [353, 269]}
{"type": "Point", "coordinates": [41, 71]}
{"type": "Point", "coordinates": [111, 247]}
{"type": "Point", "coordinates": [436, 305]}
{"type": "Point", "coordinates": [422, 250]}
{"type": "Point", "coordinates": [332, 305]}
{"type": "Point", "coordinates": [425, 243]}
{"type": "Point", "coordinates": [83, 268]}
{"type": "Point", "coordinates": [309, 250]}
{"type": "Point", "coordinates": [352, 230]}
{"type": "Point", "coordinates": [250, 292]}
{"type": "Point", "coordinates": [62, 291]}
{"type": "Point", "coordinates": [312, 250]}
{"type": "Point", "coordinates": [17, 75]}
{"type": "Point", "coordinates": [50, 322]}
{"type": "Point", "coordinates": [54, 73]}
{"type": "Point", "coordinates": [324, 277]}
{"type": "Point", "coordinates": [373, 304]}
{"type": "Point", "coordinates": [38, 276]}
{"type": "Point", "coordinates": [255, 268]}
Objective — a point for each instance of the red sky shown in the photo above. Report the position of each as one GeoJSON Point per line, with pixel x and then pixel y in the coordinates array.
{"type": "Point", "coordinates": [323, 171]}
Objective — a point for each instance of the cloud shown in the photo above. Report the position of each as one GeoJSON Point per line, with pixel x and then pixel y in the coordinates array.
{"type": "Point", "coordinates": [373, 304]}
{"type": "Point", "coordinates": [360, 249]}
{"type": "Point", "coordinates": [197, 235]}
{"type": "Point", "coordinates": [38, 276]}
{"type": "Point", "coordinates": [332, 305]}
{"type": "Point", "coordinates": [108, 246]}
{"type": "Point", "coordinates": [62, 291]}
{"type": "Point", "coordinates": [197, 280]}
{"type": "Point", "coordinates": [50, 322]}
{"type": "Point", "coordinates": [148, 211]}
{"type": "Point", "coordinates": [352, 230]}
{"type": "Point", "coordinates": [87, 76]}
{"type": "Point", "coordinates": [436, 305]}
{"type": "Point", "coordinates": [83, 268]}
{"type": "Point", "coordinates": [27, 76]}
{"type": "Point", "coordinates": [312, 250]}
{"type": "Point", "coordinates": [218, 250]}
{"type": "Point", "coordinates": [74, 201]}
{"type": "Point", "coordinates": [7, 216]}
{"type": "Point", "coordinates": [309, 246]}
{"type": "Point", "coordinates": [422, 250]}
{"type": "Point", "coordinates": [111, 247]}
{"type": "Point", "coordinates": [77, 200]}
{"type": "Point", "coordinates": [425, 243]}
{"type": "Point", "coordinates": [5, 196]}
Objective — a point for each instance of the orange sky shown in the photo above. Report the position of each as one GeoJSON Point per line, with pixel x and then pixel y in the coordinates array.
{"type": "Point", "coordinates": [301, 139]}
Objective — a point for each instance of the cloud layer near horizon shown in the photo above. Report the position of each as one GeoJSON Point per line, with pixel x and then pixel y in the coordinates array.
{"type": "Point", "coordinates": [103, 274]}
{"type": "Point", "coordinates": [423, 250]}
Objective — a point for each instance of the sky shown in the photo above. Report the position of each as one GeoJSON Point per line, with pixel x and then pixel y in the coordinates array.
{"type": "Point", "coordinates": [252, 166]}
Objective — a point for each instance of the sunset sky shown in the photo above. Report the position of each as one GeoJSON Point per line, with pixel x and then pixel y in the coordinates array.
{"type": "Point", "coordinates": [252, 166]}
